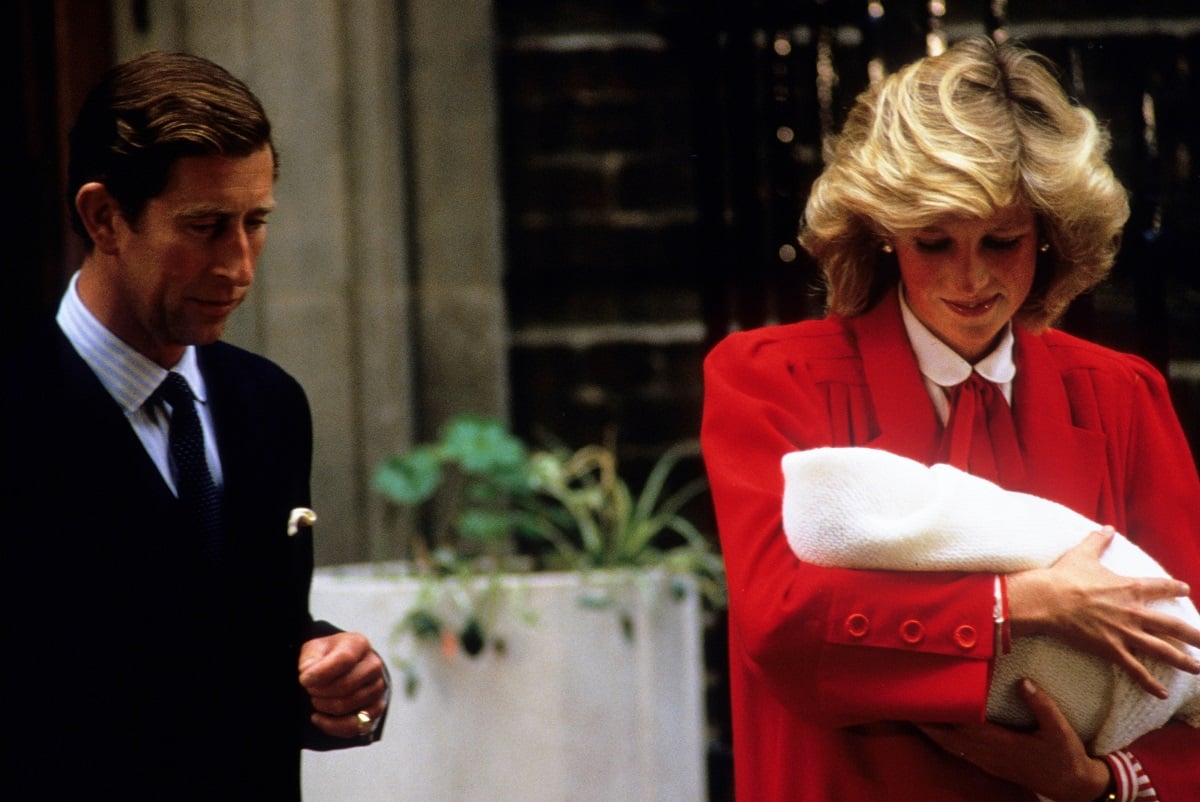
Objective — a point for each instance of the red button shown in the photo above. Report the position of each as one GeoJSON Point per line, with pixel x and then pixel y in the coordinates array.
{"type": "Point", "coordinates": [857, 625]}
{"type": "Point", "coordinates": [966, 636]}
{"type": "Point", "coordinates": [913, 631]}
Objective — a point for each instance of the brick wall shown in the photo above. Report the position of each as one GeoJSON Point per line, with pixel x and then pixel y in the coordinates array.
{"type": "Point", "coordinates": [656, 156]}
{"type": "Point", "coordinates": [598, 120]}
{"type": "Point", "coordinates": [601, 219]}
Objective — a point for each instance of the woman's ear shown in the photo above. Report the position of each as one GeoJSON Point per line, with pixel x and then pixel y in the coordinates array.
{"type": "Point", "coordinates": [98, 210]}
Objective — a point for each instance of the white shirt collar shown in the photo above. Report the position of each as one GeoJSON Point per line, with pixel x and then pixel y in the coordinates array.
{"type": "Point", "coordinates": [128, 376]}
{"type": "Point", "coordinates": [941, 365]}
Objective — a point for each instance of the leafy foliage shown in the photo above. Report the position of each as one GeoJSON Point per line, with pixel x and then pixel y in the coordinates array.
{"type": "Point", "coordinates": [564, 509]}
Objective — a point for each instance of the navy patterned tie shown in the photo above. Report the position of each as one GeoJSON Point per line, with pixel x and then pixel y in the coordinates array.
{"type": "Point", "coordinates": [193, 482]}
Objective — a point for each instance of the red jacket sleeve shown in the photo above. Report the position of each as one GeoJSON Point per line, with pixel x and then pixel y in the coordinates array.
{"type": "Point", "coordinates": [1161, 511]}
{"type": "Point", "coordinates": [836, 646]}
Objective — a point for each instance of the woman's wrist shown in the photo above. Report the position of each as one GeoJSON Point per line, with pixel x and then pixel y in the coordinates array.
{"type": "Point", "coordinates": [1108, 791]}
{"type": "Point", "coordinates": [1029, 598]}
{"type": "Point", "coordinates": [1090, 782]}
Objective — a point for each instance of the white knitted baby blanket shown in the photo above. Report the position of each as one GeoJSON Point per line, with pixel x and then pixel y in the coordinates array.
{"type": "Point", "coordinates": [870, 509]}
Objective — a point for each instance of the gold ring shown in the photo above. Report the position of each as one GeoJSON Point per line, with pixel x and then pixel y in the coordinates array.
{"type": "Point", "coordinates": [365, 724]}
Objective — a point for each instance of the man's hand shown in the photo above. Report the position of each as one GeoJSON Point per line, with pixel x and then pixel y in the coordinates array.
{"type": "Point", "coordinates": [1051, 761]}
{"type": "Point", "coordinates": [343, 676]}
{"type": "Point", "coordinates": [1082, 603]}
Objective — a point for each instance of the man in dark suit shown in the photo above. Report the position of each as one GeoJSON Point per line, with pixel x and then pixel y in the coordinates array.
{"type": "Point", "coordinates": [160, 646]}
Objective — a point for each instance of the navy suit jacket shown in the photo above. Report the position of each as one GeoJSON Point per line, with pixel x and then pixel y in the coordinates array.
{"type": "Point", "coordinates": [133, 670]}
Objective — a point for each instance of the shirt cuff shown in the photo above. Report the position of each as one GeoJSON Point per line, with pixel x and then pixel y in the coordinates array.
{"type": "Point", "coordinates": [1132, 783]}
{"type": "Point", "coordinates": [1000, 616]}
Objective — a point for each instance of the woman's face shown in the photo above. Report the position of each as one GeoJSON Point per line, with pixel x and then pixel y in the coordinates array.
{"type": "Point", "coordinates": [965, 277]}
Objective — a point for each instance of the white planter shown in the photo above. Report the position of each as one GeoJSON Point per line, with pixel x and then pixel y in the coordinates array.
{"type": "Point", "coordinates": [573, 710]}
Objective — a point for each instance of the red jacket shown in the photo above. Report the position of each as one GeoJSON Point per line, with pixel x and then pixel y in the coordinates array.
{"type": "Point", "coordinates": [823, 680]}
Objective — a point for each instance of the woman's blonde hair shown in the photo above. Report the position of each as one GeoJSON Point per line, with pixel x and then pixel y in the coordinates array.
{"type": "Point", "coordinates": [966, 133]}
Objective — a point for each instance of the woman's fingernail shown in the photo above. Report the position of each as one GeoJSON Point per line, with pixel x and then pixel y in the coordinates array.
{"type": "Point", "coordinates": [1028, 686]}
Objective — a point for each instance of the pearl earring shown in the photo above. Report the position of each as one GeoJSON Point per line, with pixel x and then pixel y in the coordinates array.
{"type": "Point", "coordinates": [1044, 247]}
{"type": "Point", "coordinates": [887, 247]}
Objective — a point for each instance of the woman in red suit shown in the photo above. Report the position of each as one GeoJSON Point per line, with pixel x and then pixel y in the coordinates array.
{"type": "Point", "coordinates": [966, 203]}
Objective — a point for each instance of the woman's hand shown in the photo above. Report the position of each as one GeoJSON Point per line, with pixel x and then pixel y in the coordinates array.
{"type": "Point", "coordinates": [1051, 761]}
{"type": "Point", "coordinates": [1082, 603]}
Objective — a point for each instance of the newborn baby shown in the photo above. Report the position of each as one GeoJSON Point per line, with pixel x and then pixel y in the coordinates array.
{"type": "Point", "coordinates": [869, 509]}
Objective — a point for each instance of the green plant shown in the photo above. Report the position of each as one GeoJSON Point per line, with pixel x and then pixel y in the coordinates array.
{"type": "Point", "coordinates": [498, 504]}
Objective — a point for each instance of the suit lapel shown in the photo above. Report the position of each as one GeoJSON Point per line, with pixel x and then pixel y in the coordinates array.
{"type": "Point", "coordinates": [100, 422]}
{"type": "Point", "coordinates": [264, 461]}
{"type": "Point", "coordinates": [242, 418]}
{"type": "Point", "coordinates": [1062, 462]}
{"type": "Point", "coordinates": [111, 478]}
{"type": "Point", "coordinates": [907, 421]}
{"type": "Point", "coordinates": [232, 414]}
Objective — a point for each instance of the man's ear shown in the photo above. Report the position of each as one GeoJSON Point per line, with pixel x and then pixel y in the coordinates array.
{"type": "Point", "coordinates": [98, 210]}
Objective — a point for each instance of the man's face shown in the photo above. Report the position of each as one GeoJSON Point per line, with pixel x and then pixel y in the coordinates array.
{"type": "Point", "coordinates": [188, 261]}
